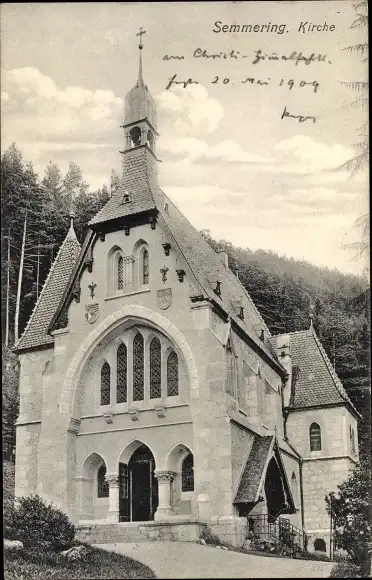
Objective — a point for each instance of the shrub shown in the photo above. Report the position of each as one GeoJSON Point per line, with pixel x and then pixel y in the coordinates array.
{"type": "Point", "coordinates": [37, 524]}
{"type": "Point", "coordinates": [318, 555]}
{"type": "Point", "coordinates": [340, 556]}
{"type": "Point", "coordinates": [345, 570]}
{"type": "Point", "coordinates": [209, 537]}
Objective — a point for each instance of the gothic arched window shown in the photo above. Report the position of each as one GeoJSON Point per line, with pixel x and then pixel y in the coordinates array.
{"type": "Point", "coordinates": [145, 267]}
{"type": "Point", "coordinates": [138, 368]}
{"type": "Point", "coordinates": [172, 374]}
{"type": "Point", "coordinates": [155, 369]}
{"type": "Point", "coordinates": [135, 135]}
{"type": "Point", "coordinates": [121, 374]}
{"type": "Point", "coordinates": [315, 437]}
{"type": "Point", "coordinates": [105, 383]}
{"type": "Point", "coordinates": [188, 473]}
{"type": "Point", "coordinates": [102, 484]}
{"type": "Point", "coordinates": [120, 272]}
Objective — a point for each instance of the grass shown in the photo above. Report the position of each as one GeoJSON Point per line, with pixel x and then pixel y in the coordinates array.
{"type": "Point", "coordinates": [31, 564]}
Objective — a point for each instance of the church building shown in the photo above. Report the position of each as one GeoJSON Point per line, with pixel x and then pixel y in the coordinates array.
{"type": "Point", "coordinates": [154, 400]}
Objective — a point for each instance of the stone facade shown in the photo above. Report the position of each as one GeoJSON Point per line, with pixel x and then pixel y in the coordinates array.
{"type": "Point", "coordinates": [232, 388]}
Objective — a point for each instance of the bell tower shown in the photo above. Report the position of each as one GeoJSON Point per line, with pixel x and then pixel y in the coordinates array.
{"type": "Point", "coordinates": [140, 112]}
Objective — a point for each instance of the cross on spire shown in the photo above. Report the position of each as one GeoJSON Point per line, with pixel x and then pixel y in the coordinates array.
{"type": "Point", "coordinates": [140, 33]}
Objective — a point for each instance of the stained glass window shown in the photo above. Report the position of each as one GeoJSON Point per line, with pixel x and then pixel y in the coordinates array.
{"type": "Point", "coordinates": [138, 370]}
{"type": "Point", "coordinates": [315, 437]}
{"type": "Point", "coordinates": [102, 484]}
{"type": "Point", "coordinates": [105, 384]}
{"type": "Point", "coordinates": [155, 368]}
{"type": "Point", "coordinates": [121, 374]}
{"type": "Point", "coordinates": [145, 267]}
{"type": "Point", "coordinates": [172, 374]}
{"type": "Point", "coordinates": [188, 473]}
{"type": "Point", "coordinates": [120, 278]}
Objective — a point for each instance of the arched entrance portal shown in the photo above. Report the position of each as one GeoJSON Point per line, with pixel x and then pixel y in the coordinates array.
{"type": "Point", "coordinates": [274, 492]}
{"type": "Point", "coordinates": [138, 487]}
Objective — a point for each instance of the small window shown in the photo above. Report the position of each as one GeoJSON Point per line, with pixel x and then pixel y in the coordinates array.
{"type": "Point", "coordinates": [121, 374]}
{"type": "Point", "coordinates": [188, 473]}
{"type": "Point", "coordinates": [105, 384]}
{"type": "Point", "coordinates": [120, 272]}
{"type": "Point", "coordinates": [172, 374]}
{"type": "Point", "coordinates": [102, 484]}
{"type": "Point", "coordinates": [145, 267]}
{"type": "Point", "coordinates": [138, 368]}
{"type": "Point", "coordinates": [155, 369]}
{"type": "Point", "coordinates": [315, 437]}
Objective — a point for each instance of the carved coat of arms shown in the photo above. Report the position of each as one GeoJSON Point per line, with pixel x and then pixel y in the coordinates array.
{"type": "Point", "coordinates": [164, 298]}
{"type": "Point", "coordinates": [91, 313]}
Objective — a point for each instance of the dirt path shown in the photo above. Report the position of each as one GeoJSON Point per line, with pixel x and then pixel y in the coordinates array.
{"type": "Point", "coordinates": [188, 560]}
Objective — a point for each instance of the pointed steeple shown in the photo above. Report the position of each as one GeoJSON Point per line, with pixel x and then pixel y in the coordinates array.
{"type": "Point", "coordinates": [140, 81]}
{"type": "Point", "coordinates": [139, 110]}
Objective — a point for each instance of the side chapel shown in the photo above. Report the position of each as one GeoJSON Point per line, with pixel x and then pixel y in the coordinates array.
{"type": "Point", "coordinates": [153, 397]}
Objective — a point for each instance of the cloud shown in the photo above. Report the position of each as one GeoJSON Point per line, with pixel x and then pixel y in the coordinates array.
{"type": "Point", "coordinates": [4, 97]}
{"type": "Point", "coordinates": [313, 156]}
{"type": "Point", "coordinates": [190, 109]}
{"type": "Point", "coordinates": [40, 111]}
{"type": "Point", "coordinates": [197, 149]}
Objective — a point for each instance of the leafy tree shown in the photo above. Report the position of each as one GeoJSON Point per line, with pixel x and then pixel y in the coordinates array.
{"type": "Point", "coordinates": [351, 512]}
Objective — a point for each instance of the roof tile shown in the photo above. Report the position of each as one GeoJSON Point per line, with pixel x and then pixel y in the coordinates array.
{"type": "Point", "coordinates": [317, 383]}
{"type": "Point", "coordinates": [35, 333]}
{"type": "Point", "coordinates": [249, 486]}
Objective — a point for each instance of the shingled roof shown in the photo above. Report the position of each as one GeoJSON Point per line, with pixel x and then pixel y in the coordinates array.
{"type": "Point", "coordinates": [204, 262]}
{"type": "Point", "coordinates": [252, 476]}
{"type": "Point", "coordinates": [317, 382]}
{"type": "Point", "coordinates": [35, 334]}
{"type": "Point", "coordinates": [139, 181]}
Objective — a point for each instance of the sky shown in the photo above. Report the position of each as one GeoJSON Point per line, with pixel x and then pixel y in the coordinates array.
{"type": "Point", "coordinates": [229, 158]}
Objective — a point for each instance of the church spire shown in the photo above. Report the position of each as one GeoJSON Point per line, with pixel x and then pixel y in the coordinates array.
{"type": "Point", "coordinates": [140, 111]}
{"type": "Point", "coordinates": [140, 81]}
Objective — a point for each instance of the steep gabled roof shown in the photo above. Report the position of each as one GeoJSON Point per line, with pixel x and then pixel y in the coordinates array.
{"type": "Point", "coordinates": [251, 480]}
{"type": "Point", "coordinates": [204, 262]}
{"type": "Point", "coordinates": [317, 382]}
{"type": "Point", "coordinates": [35, 334]}
{"type": "Point", "coordinates": [139, 181]}
{"type": "Point", "coordinates": [254, 474]}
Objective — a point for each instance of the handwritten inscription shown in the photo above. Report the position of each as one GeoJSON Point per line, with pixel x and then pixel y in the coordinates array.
{"type": "Point", "coordinates": [295, 56]}
{"type": "Point", "coordinates": [290, 84]}
{"type": "Point", "coordinates": [301, 118]}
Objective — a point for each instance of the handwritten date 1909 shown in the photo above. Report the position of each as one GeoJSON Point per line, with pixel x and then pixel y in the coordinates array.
{"type": "Point", "coordinates": [290, 84]}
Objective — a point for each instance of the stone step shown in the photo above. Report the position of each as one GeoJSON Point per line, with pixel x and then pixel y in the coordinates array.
{"type": "Point", "coordinates": [141, 532]}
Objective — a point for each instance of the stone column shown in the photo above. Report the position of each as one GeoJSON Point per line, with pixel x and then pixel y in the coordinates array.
{"type": "Point", "coordinates": [113, 510]}
{"type": "Point", "coordinates": [165, 479]}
